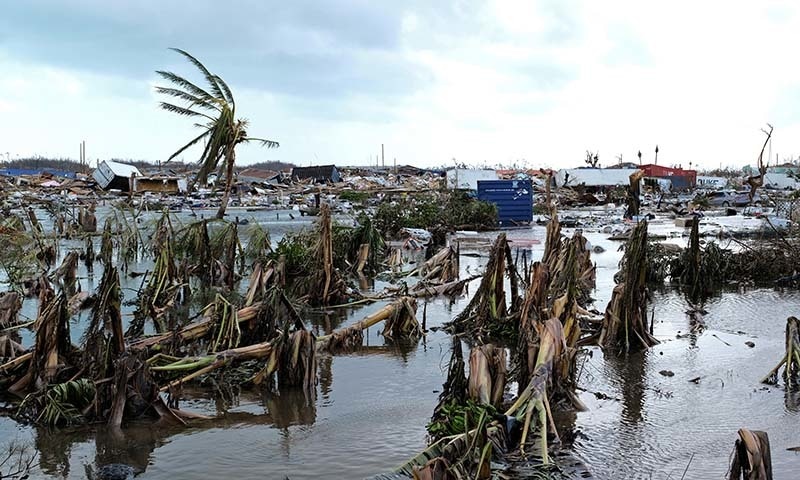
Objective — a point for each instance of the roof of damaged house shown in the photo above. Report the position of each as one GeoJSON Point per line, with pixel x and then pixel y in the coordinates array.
{"type": "Point", "coordinates": [257, 175]}
{"type": "Point", "coordinates": [321, 172]}
{"type": "Point", "coordinates": [121, 169]}
{"type": "Point", "coordinates": [594, 177]}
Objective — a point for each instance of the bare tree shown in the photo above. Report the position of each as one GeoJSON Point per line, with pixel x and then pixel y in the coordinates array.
{"type": "Point", "coordinates": [16, 461]}
{"type": "Point", "coordinates": [592, 159]}
{"type": "Point", "coordinates": [756, 181]}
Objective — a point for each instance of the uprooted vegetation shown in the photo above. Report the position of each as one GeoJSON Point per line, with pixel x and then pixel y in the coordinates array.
{"type": "Point", "coordinates": [476, 425]}
{"type": "Point", "coordinates": [524, 325]}
{"type": "Point", "coordinates": [440, 212]}
{"type": "Point", "coordinates": [704, 266]}
{"type": "Point", "coordinates": [115, 375]}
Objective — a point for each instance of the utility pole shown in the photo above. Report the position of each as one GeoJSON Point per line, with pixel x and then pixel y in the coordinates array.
{"type": "Point", "coordinates": [82, 160]}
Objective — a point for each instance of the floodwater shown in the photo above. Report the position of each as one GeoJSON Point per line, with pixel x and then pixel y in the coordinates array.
{"type": "Point", "coordinates": [371, 407]}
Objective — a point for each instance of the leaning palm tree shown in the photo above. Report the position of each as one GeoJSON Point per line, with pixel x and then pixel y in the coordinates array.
{"type": "Point", "coordinates": [222, 132]}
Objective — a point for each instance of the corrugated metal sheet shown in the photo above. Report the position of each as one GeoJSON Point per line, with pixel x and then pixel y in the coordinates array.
{"type": "Point", "coordinates": [514, 199]}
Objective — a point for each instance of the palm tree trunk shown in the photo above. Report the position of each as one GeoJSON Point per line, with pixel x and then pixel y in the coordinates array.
{"type": "Point", "coordinates": [230, 158]}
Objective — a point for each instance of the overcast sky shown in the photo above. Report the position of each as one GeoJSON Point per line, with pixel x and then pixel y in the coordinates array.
{"type": "Point", "coordinates": [497, 82]}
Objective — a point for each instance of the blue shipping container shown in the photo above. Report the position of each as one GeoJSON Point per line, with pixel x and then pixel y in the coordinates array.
{"type": "Point", "coordinates": [17, 172]}
{"type": "Point", "coordinates": [514, 199]}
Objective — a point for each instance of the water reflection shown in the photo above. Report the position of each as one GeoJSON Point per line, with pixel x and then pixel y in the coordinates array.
{"type": "Point", "coordinates": [135, 444]}
{"type": "Point", "coordinates": [289, 407]}
{"type": "Point", "coordinates": [791, 399]}
{"type": "Point", "coordinates": [402, 348]}
{"type": "Point", "coordinates": [323, 323]}
{"type": "Point", "coordinates": [565, 423]}
{"type": "Point", "coordinates": [629, 371]}
{"type": "Point", "coordinates": [325, 375]}
{"type": "Point", "coordinates": [55, 450]}
{"type": "Point", "coordinates": [132, 446]}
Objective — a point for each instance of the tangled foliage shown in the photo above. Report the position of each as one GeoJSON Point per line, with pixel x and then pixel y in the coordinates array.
{"type": "Point", "coordinates": [59, 404]}
{"type": "Point", "coordinates": [759, 263]}
{"type": "Point", "coordinates": [435, 211]}
{"type": "Point", "coordinates": [662, 262]}
{"type": "Point", "coordinates": [347, 242]}
{"type": "Point", "coordinates": [354, 196]}
{"type": "Point", "coordinates": [296, 250]}
{"type": "Point", "coordinates": [453, 418]}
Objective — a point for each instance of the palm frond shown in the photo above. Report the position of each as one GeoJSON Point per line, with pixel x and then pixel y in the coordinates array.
{"type": "Point", "coordinates": [210, 78]}
{"type": "Point", "coordinates": [192, 99]}
{"type": "Point", "coordinates": [187, 112]}
{"type": "Point", "coordinates": [226, 91]}
{"type": "Point", "coordinates": [186, 84]}
{"type": "Point", "coordinates": [264, 142]}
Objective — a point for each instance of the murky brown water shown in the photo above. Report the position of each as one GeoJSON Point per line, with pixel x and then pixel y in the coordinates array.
{"type": "Point", "coordinates": [372, 407]}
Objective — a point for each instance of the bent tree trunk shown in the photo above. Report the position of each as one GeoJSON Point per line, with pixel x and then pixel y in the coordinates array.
{"type": "Point", "coordinates": [625, 326]}
{"type": "Point", "coordinates": [230, 159]}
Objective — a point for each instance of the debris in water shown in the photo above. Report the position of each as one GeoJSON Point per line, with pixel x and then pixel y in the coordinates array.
{"type": "Point", "coordinates": [752, 459]}
{"type": "Point", "coordinates": [791, 361]}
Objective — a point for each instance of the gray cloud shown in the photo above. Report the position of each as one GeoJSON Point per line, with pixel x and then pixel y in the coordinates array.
{"type": "Point", "coordinates": [292, 48]}
{"type": "Point", "coordinates": [314, 56]}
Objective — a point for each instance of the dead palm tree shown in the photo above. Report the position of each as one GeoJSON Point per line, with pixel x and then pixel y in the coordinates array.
{"type": "Point", "coordinates": [222, 131]}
